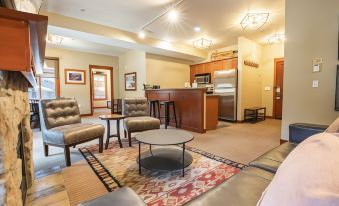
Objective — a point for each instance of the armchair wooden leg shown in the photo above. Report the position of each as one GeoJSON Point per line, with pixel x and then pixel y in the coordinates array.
{"type": "Point", "coordinates": [125, 133]}
{"type": "Point", "coordinates": [67, 156]}
{"type": "Point", "coordinates": [46, 150]}
{"type": "Point", "coordinates": [101, 144]}
{"type": "Point", "coordinates": [129, 139]}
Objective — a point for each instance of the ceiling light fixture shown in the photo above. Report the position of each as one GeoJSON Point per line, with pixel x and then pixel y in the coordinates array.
{"type": "Point", "coordinates": [173, 15]}
{"type": "Point", "coordinates": [197, 29]}
{"type": "Point", "coordinates": [202, 43]}
{"type": "Point", "coordinates": [254, 20]}
{"type": "Point", "coordinates": [141, 34]}
{"type": "Point", "coordinates": [54, 39]}
{"type": "Point", "coordinates": [276, 38]}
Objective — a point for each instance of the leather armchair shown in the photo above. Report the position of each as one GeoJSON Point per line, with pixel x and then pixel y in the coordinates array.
{"type": "Point", "coordinates": [137, 120]}
{"type": "Point", "coordinates": [61, 126]}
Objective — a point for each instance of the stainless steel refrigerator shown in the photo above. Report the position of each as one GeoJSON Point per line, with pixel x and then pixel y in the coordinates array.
{"type": "Point", "coordinates": [225, 85]}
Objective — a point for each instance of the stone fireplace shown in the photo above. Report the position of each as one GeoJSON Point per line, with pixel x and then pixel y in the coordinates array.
{"type": "Point", "coordinates": [14, 124]}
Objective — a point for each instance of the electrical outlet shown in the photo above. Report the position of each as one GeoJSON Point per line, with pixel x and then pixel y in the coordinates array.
{"type": "Point", "coordinates": [315, 83]}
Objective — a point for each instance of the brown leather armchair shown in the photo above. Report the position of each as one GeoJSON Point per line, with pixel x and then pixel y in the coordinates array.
{"type": "Point", "coordinates": [137, 119]}
{"type": "Point", "coordinates": [61, 126]}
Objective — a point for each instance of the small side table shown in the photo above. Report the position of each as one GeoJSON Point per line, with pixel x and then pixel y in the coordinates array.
{"type": "Point", "coordinates": [108, 118]}
{"type": "Point", "coordinates": [255, 114]}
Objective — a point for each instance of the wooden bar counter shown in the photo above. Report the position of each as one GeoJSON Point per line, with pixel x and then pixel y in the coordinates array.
{"type": "Point", "coordinates": [196, 111]}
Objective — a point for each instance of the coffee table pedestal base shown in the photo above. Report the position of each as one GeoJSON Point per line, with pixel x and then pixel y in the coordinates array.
{"type": "Point", "coordinates": [165, 159]}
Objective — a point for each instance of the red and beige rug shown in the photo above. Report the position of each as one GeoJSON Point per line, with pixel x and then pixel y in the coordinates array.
{"type": "Point", "coordinates": [117, 167]}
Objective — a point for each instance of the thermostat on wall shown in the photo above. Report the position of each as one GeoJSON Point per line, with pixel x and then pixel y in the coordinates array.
{"type": "Point", "coordinates": [317, 64]}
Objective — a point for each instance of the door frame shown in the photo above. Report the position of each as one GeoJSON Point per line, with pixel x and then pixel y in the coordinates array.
{"type": "Point", "coordinates": [91, 67]}
{"type": "Point", "coordinates": [276, 60]}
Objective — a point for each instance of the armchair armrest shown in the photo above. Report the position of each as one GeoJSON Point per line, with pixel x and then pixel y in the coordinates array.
{"type": "Point", "coordinates": [298, 132]}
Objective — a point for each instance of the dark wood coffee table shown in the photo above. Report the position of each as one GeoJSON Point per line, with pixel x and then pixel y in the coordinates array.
{"type": "Point", "coordinates": [109, 117]}
{"type": "Point", "coordinates": [164, 158]}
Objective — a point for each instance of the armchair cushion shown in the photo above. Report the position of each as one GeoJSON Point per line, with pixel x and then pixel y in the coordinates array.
{"type": "Point", "coordinates": [135, 107]}
{"type": "Point", "coordinates": [60, 112]}
{"type": "Point", "coordinates": [138, 124]}
{"type": "Point", "coordinates": [73, 133]}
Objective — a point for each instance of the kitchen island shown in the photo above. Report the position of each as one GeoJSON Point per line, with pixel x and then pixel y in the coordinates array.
{"type": "Point", "coordinates": [196, 111]}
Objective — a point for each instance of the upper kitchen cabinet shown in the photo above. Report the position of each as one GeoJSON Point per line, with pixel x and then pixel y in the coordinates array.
{"type": "Point", "coordinates": [23, 42]}
{"type": "Point", "coordinates": [210, 67]}
{"type": "Point", "coordinates": [200, 68]}
{"type": "Point", "coordinates": [230, 63]}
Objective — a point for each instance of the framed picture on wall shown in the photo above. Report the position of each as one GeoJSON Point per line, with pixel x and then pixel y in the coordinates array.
{"type": "Point", "coordinates": [131, 81]}
{"type": "Point", "coordinates": [75, 76]}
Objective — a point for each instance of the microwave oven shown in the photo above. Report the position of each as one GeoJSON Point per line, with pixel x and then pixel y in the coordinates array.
{"type": "Point", "coordinates": [203, 78]}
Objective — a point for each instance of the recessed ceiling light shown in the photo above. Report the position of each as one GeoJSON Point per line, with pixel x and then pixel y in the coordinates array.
{"type": "Point", "coordinates": [173, 15]}
{"type": "Point", "coordinates": [82, 10]}
{"type": "Point", "coordinates": [197, 29]}
{"type": "Point", "coordinates": [141, 35]}
{"type": "Point", "coordinates": [54, 39]}
{"type": "Point", "coordinates": [254, 20]}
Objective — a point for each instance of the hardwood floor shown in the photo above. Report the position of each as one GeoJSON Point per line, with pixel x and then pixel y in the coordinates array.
{"type": "Point", "coordinates": [49, 190]}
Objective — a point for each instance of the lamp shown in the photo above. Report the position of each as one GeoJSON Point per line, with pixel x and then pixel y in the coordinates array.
{"type": "Point", "coordinates": [202, 43]}
{"type": "Point", "coordinates": [254, 20]}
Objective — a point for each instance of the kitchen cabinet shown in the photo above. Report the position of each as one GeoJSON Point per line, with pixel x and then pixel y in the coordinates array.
{"type": "Point", "coordinates": [230, 63]}
{"type": "Point", "coordinates": [210, 67]}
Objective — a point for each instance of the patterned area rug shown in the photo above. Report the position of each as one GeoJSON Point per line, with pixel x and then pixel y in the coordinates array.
{"type": "Point", "coordinates": [117, 167]}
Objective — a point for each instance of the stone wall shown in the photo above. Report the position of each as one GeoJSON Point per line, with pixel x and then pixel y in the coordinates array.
{"type": "Point", "coordinates": [14, 109]}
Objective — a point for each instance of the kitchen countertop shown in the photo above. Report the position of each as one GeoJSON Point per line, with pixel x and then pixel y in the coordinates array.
{"type": "Point", "coordinates": [175, 89]}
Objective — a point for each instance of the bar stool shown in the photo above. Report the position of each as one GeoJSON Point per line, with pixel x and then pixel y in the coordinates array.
{"type": "Point", "coordinates": [167, 105]}
{"type": "Point", "coordinates": [151, 105]}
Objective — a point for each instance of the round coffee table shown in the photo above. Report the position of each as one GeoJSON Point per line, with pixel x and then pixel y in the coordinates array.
{"type": "Point", "coordinates": [164, 158]}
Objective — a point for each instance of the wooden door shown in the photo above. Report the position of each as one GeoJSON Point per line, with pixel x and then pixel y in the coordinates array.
{"type": "Point", "coordinates": [200, 68]}
{"type": "Point", "coordinates": [278, 88]}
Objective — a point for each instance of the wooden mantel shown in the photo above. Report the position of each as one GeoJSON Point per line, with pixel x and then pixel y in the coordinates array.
{"type": "Point", "coordinates": [23, 42]}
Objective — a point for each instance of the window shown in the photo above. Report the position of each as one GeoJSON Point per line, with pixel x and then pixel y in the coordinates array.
{"type": "Point", "coordinates": [48, 87]}
{"type": "Point", "coordinates": [100, 86]}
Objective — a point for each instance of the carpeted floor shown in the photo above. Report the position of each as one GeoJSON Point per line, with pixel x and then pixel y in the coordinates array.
{"type": "Point", "coordinates": [239, 142]}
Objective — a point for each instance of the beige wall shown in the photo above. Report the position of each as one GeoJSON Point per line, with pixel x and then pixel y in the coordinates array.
{"type": "Point", "coordinates": [80, 60]}
{"type": "Point", "coordinates": [103, 103]}
{"type": "Point", "coordinates": [270, 52]}
{"type": "Point", "coordinates": [132, 61]}
{"type": "Point", "coordinates": [167, 72]}
{"type": "Point", "coordinates": [249, 78]}
{"type": "Point", "coordinates": [312, 31]}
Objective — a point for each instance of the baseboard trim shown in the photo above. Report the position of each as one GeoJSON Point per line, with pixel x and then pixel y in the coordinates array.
{"type": "Point", "coordinates": [85, 115]}
{"type": "Point", "coordinates": [282, 141]}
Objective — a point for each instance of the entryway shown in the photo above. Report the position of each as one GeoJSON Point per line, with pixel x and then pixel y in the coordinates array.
{"type": "Point", "coordinates": [278, 88]}
{"type": "Point", "coordinates": [101, 89]}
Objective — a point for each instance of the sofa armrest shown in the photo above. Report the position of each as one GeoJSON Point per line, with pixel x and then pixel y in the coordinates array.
{"type": "Point", "coordinates": [298, 132]}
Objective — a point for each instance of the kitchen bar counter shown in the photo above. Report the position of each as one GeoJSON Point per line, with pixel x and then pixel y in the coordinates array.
{"type": "Point", "coordinates": [196, 111]}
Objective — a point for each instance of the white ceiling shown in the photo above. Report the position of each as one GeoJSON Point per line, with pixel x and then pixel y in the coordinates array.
{"type": "Point", "coordinates": [87, 46]}
{"type": "Point", "coordinates": [219, 19]}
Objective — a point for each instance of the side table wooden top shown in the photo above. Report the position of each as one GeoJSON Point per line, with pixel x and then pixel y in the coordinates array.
{"type": "Point", "coordinates": [111, 117]}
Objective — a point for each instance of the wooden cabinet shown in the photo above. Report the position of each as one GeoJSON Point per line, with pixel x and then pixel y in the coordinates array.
{"type": "Point", "coordinates": [230, 63]}
{"type": "Point", "coordinates": [189, 106]}
{"type": "Point", "coordinates": [210, 67]}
